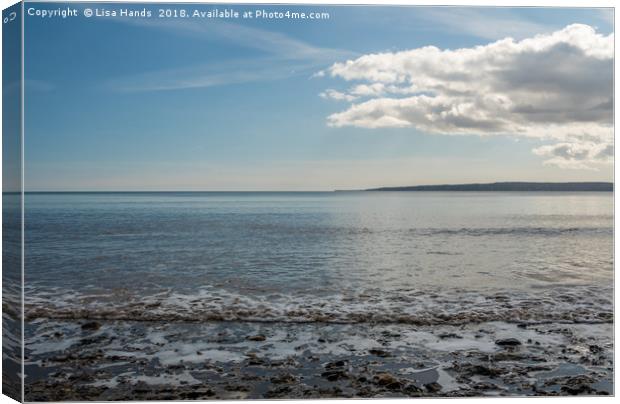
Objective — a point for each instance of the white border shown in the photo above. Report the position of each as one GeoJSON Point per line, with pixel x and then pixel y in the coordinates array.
{"type": "Point", "coordinates": [488, 3]}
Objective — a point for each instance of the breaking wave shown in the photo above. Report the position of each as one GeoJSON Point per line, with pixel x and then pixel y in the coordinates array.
{"type": "Point", "coordinates": [569, 305]}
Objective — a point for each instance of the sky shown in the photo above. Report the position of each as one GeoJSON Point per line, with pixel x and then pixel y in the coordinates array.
{"type": "Point", "coordinates": [372, 96]}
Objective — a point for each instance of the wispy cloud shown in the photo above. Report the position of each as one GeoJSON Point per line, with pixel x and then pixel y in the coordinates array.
{"type": "Point", "coordinates": [480, 22]}
{"type": "Point", "coordinates": [280, 56]}
{"type": "Point", "coordinates": [213, 74]}
{"type": "Point", "coordinates": [271, 42]}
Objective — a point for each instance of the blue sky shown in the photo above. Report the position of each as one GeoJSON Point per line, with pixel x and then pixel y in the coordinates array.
{"type": "Point", "coordinates": [196, 104]}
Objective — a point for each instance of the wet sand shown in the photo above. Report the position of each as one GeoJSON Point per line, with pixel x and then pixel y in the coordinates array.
{"type": "Point", "coordinates": [143, 360]}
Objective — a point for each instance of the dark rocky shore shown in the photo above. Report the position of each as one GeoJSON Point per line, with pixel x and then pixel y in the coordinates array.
{"type": "Point", "coordinates": [118, 360]}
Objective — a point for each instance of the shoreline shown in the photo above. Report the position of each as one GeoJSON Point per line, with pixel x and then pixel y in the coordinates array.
{"type": "Point", "coordinates": [116, 360]}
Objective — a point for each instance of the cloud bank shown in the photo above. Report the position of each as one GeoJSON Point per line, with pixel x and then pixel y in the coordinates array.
{"type": "Point", "coordinates": [555, 87]}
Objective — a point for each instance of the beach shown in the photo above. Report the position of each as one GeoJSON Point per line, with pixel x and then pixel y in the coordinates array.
{"type": "Point", "coordinates": [315, 295]}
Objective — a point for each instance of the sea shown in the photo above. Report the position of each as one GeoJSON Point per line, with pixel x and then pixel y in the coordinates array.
{"type": "Point", "coordinates": [279, 269]}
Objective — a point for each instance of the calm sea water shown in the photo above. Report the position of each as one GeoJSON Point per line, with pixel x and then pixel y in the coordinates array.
{"type": "Point", "coordinates": [167, 294]}
{"type": "Point", "coordinates": [327, 256]}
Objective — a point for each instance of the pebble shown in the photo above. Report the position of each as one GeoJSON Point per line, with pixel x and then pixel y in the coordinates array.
{"type": "Point", "coordinates": [508, 342]}
{"type": "Point", "coordinates": [91, 326]}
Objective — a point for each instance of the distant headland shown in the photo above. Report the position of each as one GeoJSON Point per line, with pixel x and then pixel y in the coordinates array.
{"type": "Point", "coordinates": [510, 186]}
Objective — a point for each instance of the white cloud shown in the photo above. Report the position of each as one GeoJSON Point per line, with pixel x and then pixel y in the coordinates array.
{"type": "Point", "coordinates": [373, 89]}
{"type": "Point", "coordinates": [576, 155]}
{"type": "Point", "coordinates": [337, 95]}
{"type": "Point", "coordinates": [555, 86]}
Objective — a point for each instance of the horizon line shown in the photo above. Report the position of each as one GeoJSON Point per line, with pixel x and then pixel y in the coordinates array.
{"type": "Point", "coordinates": [305, 191]}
